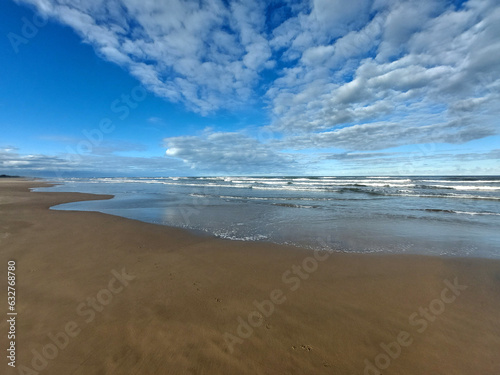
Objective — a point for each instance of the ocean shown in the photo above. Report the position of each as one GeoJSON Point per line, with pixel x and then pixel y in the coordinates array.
{"type": "Point", "coordinates": [447, 216]}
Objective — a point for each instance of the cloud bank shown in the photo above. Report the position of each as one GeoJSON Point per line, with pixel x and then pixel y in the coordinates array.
{"type": "Point", "coordinates": [70, 164]}
{"type": "Point", "coordinates": [229, 153]}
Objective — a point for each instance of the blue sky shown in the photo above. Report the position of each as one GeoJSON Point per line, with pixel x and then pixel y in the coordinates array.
{"type": "Point", "coordinates": [323, 87]}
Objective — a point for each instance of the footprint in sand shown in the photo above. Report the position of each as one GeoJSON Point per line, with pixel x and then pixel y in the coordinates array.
{"type": "Point", "coordinates": [196, 285]}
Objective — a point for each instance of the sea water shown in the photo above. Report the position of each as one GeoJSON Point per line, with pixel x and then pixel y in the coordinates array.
{"type": "Point", "coordinates": [458, 216]}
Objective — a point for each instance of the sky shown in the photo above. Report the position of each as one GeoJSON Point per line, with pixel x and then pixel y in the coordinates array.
{"type": "Point", "coordinates": [223, 87]}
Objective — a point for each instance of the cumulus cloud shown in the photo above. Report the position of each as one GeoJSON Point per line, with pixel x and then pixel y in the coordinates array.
{"type": "Point", "coordinates": [207, 54]}
{"type": "Point", "coordinates": [411, 64]}
{"type": "Point", "coordinates": [389, 157]}
{"type": "Point", "coordinates": [228, 153]}
{"type": "Point", "coordinates": [420, 161]}
{"type": "Point", "coordinates": [12, 160]}
{"type": "Point", "coordinates": [381, 135]}
{"type": "Point", "coordinates": [356, 75]}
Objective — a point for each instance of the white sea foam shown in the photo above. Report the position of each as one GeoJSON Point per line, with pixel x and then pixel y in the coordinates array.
{"type": "Point", "coordinates": [462, 181]}
{"type": "Point", "coordinates": [467, 187]}
{"type": "Point", "coordinates": [234, 237]}
{"type": "Point", "coordinates": [477, 213]}
{"type": "Point", "coordinates": [453, 196]}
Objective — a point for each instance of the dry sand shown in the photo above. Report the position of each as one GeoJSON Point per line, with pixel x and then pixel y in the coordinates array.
{"type": "Point", "coordinates": [188, 291]}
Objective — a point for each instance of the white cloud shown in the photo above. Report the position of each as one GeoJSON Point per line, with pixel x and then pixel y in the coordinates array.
{"type": "Point", "coordinates": [14, 162]}
{"type": "Point", "coordinates": [228, 153]}
{"type": "Point", "coordinates": [424, 161]}
{"type": "Point", "coordinates": [414, 62]}
{"type": "Point", "coordinates": [360, 74]}
{"type": "Point", "coordinates": [337, 16]}
{"type": "Point", "coordinates": [204, 54]}
{"type": "Point", "coordinates": [382, 135]}
{"type": "Point", "coordinates": [404, 19]}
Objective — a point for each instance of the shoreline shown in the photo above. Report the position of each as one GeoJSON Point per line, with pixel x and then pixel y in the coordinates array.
{"type": "Point", "coordinates": [189, 296]}
{"type": "Point", "coordinates": [442, 242]}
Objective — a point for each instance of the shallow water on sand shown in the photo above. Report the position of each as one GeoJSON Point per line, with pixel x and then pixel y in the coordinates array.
{"type": "Point", "coordinates": [457, 216]}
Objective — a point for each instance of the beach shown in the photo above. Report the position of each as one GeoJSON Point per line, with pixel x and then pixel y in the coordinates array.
{"type": "Point", "coordinates": [102, 294]}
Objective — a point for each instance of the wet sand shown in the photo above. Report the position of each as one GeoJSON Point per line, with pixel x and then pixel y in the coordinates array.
{"type": "Point", "coordinates": [99, 294]}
